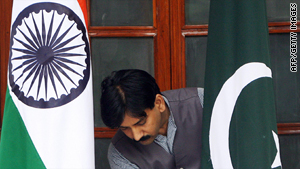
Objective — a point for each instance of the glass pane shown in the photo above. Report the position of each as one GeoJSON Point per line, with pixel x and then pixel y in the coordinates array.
{"type": "Point", "coordinates": [109, 54]}
{"type": "Point", "coordinates": [121, 13]}
{"type": "Point", "coordinates": [101, 147]}
{"type": "Point", "coordinates": [286, 83]}
{"type": "Point", "coordinates": [279, 10]}
{"type": "Point", "coordinates": [290, 151]}
{"type": "Point", "coordinates": [196, 12]}
{"type": "Point", "coordinates": [195, 48]}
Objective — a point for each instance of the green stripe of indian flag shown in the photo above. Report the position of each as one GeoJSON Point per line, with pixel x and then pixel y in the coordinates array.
{"type": "Point", "coordinates": [16, 147]}
{"type": "Point", "coordinates": [62, 136]}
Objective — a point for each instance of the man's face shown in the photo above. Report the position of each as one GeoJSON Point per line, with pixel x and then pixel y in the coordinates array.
{"type": "Point", "coordinates": [145, 129]}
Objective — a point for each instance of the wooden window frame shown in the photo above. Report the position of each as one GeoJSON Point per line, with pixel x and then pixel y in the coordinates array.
{"type": "Point", "coordinates": [160, 34]}
{"type": "Point", "coordinates": [172, 48]}
{"type": "Point", "coordinates": [178, 33]}
{"type": "Point", "coordinates": [5, 15]}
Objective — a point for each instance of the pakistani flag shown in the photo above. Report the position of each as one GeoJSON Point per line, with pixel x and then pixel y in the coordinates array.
{"type": "Point", "coordinates": [239, 123]}
{"type": "Point", "coordinates": [48, 115]}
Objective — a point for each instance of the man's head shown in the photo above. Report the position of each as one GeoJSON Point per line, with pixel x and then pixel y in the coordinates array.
{"type": "Point", "coordinates": [131, 100]}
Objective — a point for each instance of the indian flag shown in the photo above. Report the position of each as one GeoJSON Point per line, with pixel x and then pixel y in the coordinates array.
{"type": "Point", "coordinates": [48, 114]}
{"type": "Point", "coordinates": [239, 122]}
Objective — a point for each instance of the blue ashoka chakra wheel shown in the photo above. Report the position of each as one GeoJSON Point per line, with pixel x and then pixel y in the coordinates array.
{"type": "Point", "coordinates": [49, 62]}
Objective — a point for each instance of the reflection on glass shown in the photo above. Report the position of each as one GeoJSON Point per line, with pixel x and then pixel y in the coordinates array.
{"type": "Point", "coordinates": [101, 147]}
{"type": "Point", "coordinates": [121, 13]}
{"type": "Point", "coordinates": [196, 12]}
{"type": "Point", "coordinates": [195, 48]}
{"type": "Point", "coordinates": [279, 10]}
{"type": "Point", "coordinates": [286, 83]}
{"type": "Point", "coordinates": [289, 151]}
{"type": "Point", "coordinates": [109, 54]}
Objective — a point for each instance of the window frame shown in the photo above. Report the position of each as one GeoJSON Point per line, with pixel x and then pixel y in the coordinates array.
{"type": "Point", "coordinates": [159, 33]}
{"type": "Point", "coordinates": [169, 48]}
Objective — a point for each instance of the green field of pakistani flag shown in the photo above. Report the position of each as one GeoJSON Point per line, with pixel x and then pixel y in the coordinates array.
{"type": "Point", "coordinates": [239, 122]}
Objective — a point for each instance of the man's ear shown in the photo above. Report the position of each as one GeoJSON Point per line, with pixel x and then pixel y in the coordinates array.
{"type": "Point", "coordinates": [160, 103]}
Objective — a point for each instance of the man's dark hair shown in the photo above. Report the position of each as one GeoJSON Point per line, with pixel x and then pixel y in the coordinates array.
{"type": "Point", "coordinates": [131, 91]}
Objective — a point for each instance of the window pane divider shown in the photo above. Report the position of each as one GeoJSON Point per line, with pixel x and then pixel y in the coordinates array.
{"type": "Point", "coordinates": [104, 132]}
{"type": "Point", "coordinates": [99, 32]}
{"type": "Point", "coordinates": [288, 128]}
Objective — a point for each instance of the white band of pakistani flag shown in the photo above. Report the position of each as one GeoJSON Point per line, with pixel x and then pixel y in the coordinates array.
{"type": "Point", "coordinates": [221, 114]}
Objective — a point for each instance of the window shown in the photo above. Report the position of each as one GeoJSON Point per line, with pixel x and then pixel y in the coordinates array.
{"type": "Point", "coordinates": [166, 38]}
